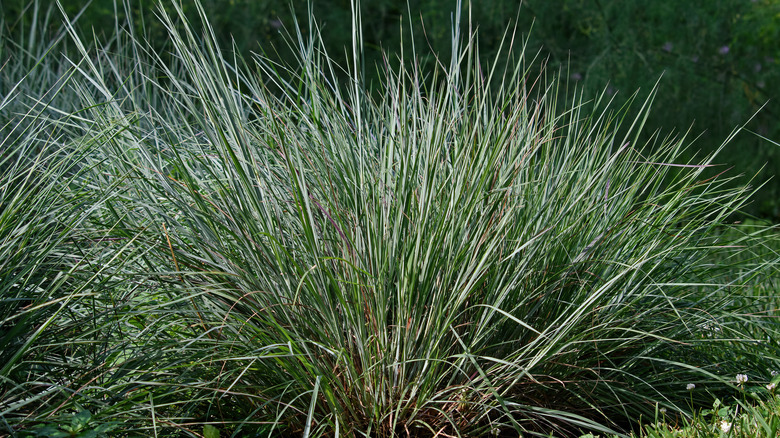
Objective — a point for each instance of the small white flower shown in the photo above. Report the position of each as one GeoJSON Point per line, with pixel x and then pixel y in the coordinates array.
{"type": "Point", "coordinates": [663, 410]}
{"type": "Point", "coordinates": [690, 386]}
{"type": "Point", "coordinates": [725, 426]}
{"type": "Point", "coordinates": [773, 373]}
{"type": "Point", "coordinates": [771, 386]}
{"type": "Point", "coordinates": [742, 379]}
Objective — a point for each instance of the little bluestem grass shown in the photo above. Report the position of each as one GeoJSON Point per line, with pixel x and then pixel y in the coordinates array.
{"type": "Point", "coordinates": [466, 250]}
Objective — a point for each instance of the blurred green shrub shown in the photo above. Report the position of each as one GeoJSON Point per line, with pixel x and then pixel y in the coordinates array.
{"type": "Point", "coordinates": [718, 59]}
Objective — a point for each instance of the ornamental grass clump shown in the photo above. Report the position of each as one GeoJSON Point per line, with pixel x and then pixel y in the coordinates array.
{"type": "Point", "coordinates": [55, 311]}
{"type": "Point", "coordinates": [462, 251]}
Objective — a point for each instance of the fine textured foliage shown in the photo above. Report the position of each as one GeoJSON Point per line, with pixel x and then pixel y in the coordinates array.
{"type": "Point", "coordinates": [51, 335]}
{"type": "Point", "coordinates": [457, 255]}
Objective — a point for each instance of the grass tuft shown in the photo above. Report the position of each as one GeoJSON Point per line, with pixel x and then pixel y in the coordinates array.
{"type": "Point", "coordinates": [263, 248]}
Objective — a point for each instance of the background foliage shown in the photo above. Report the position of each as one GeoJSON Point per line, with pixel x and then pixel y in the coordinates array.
{"type": "Point", "coordinates": [718, 59]}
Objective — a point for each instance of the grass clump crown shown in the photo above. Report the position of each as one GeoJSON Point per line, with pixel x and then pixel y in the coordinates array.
{"type": "Point", "coordinates": [455, 252]}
